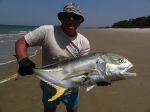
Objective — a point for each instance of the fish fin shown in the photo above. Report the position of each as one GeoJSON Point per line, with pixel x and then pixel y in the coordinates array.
{"type": "Point", "coordinates": [101, 65]}
{"type": "Point", "coordinates": [67, 77]}
{"type": "Point", "coordinates": [52, 65]}
{"type": "Point", "coordinates": [59, 92]}
{"type": "Point", "coordinates": [89, 88]}
{"type": "Point", "coordinates": [105, 79]}
{"type": "Point", "coordinates": [39, 71]}
{"type": "Point", "coordinates": [76, 75]}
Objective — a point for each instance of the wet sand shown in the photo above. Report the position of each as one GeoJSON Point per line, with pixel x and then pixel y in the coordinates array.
{"type": "Point", "coordinates": [24, 95]}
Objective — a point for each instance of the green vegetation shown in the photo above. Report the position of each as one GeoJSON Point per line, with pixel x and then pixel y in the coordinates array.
{"type": "Point", "coordinates": [141, 22]}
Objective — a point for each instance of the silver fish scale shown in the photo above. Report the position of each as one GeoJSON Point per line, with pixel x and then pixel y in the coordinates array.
{"type": "Point", "coordinates": [69, 73]}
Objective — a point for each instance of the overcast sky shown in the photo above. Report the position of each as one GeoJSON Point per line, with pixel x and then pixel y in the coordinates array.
{"type": "Point", "coordinates": [96, 12]}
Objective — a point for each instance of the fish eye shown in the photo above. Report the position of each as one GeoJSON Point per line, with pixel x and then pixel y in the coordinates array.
{"type": "Point", "coordinates": [121, 60]}
{"type": "Point", "coordinates": [97, 62]}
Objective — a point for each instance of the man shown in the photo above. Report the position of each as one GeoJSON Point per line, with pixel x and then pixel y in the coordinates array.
{"type": "Point", "coordinates": [58, 43]}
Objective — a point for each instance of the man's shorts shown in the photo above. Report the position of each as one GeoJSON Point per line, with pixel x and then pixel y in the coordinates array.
{"type": "Point", "coordinates": [71, 100]}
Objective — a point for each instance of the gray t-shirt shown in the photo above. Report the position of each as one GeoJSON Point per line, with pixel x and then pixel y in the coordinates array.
{"type": "Point", "coordinates": [56, 45]}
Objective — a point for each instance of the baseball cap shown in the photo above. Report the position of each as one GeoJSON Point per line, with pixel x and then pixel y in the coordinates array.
{"type": "Point", "coordinates": [71, 8]}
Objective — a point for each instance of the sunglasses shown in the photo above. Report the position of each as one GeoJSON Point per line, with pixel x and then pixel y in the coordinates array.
{"type": "Point", "coordinates": [75, 17]}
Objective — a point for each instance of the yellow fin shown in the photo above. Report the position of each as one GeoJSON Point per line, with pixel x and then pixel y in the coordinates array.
{"type": "Point", "coordinates": [59, 91]}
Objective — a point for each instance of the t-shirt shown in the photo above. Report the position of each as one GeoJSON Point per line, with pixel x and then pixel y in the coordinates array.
{"type": "Point", "coordinates": [56, 45]}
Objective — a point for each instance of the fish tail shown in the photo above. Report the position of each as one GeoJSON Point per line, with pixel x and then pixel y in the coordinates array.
{"type": "Point", "coordinates": [59, 92]}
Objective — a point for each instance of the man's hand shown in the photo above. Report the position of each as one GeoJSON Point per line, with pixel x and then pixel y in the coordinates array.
{"type": "Point", "coordinates": [103, 83]}
{"type": "Point", "coordinates": [26, 66]}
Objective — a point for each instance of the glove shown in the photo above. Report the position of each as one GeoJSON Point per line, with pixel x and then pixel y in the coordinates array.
{"type": "Point", "coordinates": [26, 67]}
{"type": "Point", "coordinates": [103, 83]}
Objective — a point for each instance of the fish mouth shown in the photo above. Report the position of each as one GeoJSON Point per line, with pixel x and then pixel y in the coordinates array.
{"type": "Point", "coordinates": [128, 74]}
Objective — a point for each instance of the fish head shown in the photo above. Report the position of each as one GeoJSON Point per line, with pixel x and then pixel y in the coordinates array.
{"type": "Point", "coordinates": [117, 66]}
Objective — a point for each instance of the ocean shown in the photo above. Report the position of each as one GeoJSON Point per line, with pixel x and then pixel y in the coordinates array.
{"type": "Point", "coordinates": [9, 34]}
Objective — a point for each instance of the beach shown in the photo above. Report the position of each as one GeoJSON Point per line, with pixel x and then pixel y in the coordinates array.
{"type": "Point", "coordinates": [24, 95]}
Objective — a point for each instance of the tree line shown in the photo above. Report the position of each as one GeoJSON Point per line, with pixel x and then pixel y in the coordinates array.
{"type": "Point", "coordinates": [140, 22]}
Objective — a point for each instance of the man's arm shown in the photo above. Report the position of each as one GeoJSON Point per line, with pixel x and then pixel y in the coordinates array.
{"type": "Point", "coordinates": [25, 64]}
{"type": "Point", "coordinates": [21, 48]}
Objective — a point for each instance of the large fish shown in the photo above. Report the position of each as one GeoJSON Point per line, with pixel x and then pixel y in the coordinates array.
{"type": "Point", "coordinates": [85, 71]}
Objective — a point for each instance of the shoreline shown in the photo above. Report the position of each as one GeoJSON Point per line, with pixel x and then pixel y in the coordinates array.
{"type": "Point", "coordinates": [129, 30]}
{"type": "Point", "coordinates": [12, 66]}
{"type": "Point", "coordinates": [123, 96]}
{"type": "Point", "coordinates": [135, 30]}
{"type": "Point", "coordinates": [15, 60]}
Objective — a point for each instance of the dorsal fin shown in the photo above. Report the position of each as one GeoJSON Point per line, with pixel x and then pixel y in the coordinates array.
{"type": "Point", "coordinates": [48, 66]}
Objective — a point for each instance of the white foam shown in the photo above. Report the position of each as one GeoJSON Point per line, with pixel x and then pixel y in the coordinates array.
{"type": "Point", "coordinates": [23, 32]}
{"type": "Point", "coordinates": [5, 41]}
{"type": "Point", "coordinates": [34, 54]}
{"type": "Point", "coordinates": [15, 75]}
{"type": "Point", "coordinates": [9, 78]}
{"type": "Point", "coordinates": [8, 62]}
{"type": "Point", "coordinates": [13, 34]}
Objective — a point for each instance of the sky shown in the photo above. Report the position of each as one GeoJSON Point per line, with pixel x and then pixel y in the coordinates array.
{"type": "Point", "coordinates": [97, 13]}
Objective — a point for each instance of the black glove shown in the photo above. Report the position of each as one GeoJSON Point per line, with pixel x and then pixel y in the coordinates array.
{"type": "Point", "coordinates": [26, 67]}
{"type": "Point", "coordinates": [103, 83]}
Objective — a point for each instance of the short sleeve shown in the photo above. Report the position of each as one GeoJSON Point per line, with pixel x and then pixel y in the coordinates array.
{"type": "Point", "coordinates": [36, 37]}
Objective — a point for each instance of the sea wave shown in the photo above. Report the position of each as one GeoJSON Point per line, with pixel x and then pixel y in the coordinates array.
{"type": "Point", "coordinates": [19, 32]}
{"type": "Point", "coordinates": [8, 38]}
{"type": "Point", "coordinates": [4, 36]}
{"type": "Point", "coordinates": [34, 54]}
{"type": "Point", "coordinates": [8, 62]}
{"type": "Point", "coordinates": [12, 34]}
{"type": "Point", "coordinates": [5, 41]}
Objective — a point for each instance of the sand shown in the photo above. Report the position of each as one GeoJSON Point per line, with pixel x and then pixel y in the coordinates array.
{"type": "Point", "coordinates": [24, 95]}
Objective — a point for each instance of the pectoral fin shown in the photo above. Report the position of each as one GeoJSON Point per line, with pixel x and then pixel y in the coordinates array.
{"type": "Point", "coordinates": [59, 92]}
{"type": "Point", "coordinates": [76, 74]}
{"type": "Point", "coordinates": [89, 88]}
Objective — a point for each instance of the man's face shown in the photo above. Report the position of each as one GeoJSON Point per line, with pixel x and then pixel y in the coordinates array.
{"type": "Point", "coordinates": [70, 23]}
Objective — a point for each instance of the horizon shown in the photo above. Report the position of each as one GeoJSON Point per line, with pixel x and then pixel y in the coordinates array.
{"type": "Point", "coordinates": [97, 13]}
{"type": "Point", "coordinates": [22, 25]}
